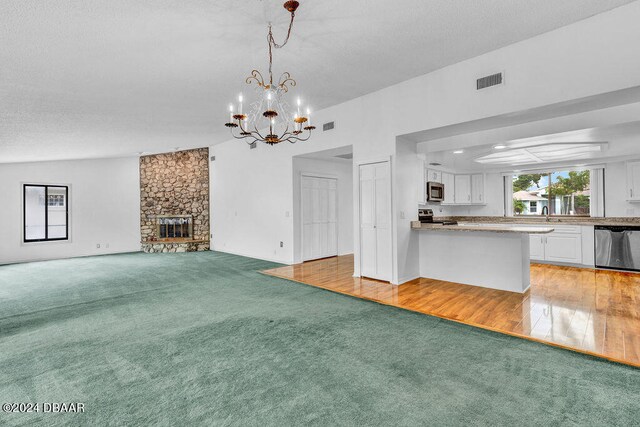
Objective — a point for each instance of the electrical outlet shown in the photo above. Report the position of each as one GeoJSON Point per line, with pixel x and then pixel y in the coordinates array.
{"type": "Point", "coordinates": [98, 246]}
{"type": "Point", "coordinates": [401, 214]}
{"type": "Point", "coordinates": [106, 246]}
{"type": "Point", "coordinates": [286, 214]}
{"type": "Point", "coordinates": [282, 244]}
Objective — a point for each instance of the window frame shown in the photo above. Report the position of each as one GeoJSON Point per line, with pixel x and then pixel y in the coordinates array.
{"type": "Point", "coordinates": [597, 174]}
{"type": "Point", "coordinates": [46, 213]}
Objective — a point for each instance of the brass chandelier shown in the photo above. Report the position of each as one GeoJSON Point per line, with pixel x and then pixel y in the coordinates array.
{"type": "Point", "coordinates": [269, 118]}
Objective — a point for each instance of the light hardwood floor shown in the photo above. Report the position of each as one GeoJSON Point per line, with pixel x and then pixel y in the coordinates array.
{"type": "Point", "coordinates": [591, 311]}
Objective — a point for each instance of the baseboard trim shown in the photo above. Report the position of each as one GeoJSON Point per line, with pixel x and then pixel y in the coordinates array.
{"type": "Point", "coordinates": [246, 255]}
{"type": "Point", "coordinates": [24, 261]}
{"type": "Point", "coordinates": [404, 280]}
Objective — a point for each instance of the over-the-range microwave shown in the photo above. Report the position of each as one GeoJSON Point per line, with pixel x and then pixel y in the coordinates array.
{"type": "Point", "coordinates": [435, 192]}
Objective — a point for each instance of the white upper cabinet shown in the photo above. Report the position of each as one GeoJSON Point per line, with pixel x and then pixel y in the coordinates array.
{"type": "Point", "coordinates": [434, 175]}
{"type": "Point", "coordinates": [633, 181]}
{"type": "Point", "coordinates": [477, 188]}
{"type": "Point", "coordinates": [462, 189]}
{"type": "Point", "coordinates": [459, 189]}
{"type": "Point", "coordinates": [449, 187]}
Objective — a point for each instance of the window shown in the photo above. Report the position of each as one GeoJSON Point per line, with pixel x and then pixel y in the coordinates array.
{"type": "Point", "coordinates": [46, 213]}
{"type": "Point", "coordinates": [56, 200]}
{"type": "Point", "coordinates": [562, 192]}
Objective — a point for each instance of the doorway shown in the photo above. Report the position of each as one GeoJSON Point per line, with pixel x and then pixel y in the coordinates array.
{"type": "Point", "coordinates": [323, 204]}
{"type": "Point", "coordinates": [319, 217]}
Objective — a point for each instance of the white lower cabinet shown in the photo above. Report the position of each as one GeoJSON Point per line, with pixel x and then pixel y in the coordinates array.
{"type": "Point", "coordinates": [563, 248]}
{"type": "Point", "coordinates": [536, 247]}
{"type": "Point", "coordinates": [563, 245]}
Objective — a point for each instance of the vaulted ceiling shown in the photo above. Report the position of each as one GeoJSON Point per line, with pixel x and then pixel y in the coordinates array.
{"type": "Point", "coordinates": [105, 78]}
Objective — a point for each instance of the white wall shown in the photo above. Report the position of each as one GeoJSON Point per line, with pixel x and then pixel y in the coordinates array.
{"type": "Point", "coordinates": [343, 172]}
{"type": "Point", "coordinates": [557, 66]}
{"type": "Point", "coordinates": [104, 198]}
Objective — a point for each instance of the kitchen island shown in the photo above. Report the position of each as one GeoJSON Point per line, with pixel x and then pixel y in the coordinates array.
{"type": "Point", "coordinates": [494, 257]}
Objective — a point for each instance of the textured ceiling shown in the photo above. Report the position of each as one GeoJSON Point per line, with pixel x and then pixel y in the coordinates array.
{"type": "Point", "coordinates": [104, 78]}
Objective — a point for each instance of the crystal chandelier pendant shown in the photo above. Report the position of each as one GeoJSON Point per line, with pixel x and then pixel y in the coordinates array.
{"type": "Point", "coordinates": [270, 119]}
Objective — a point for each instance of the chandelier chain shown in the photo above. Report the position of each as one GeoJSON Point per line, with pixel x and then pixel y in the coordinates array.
{"type": "Point", "coordinates": [272, 44]}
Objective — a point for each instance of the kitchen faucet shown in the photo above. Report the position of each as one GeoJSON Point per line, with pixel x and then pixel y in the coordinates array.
{"type": "Point", "coordinates": [546, 209]}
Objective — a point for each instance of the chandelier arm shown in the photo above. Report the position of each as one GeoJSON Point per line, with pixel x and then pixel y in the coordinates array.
{"type": "Point", "coordinates": [258, 133]}
{"type": "Point", "coordinates": [286, 132]}
{"type": "Point", "coordinates": [294, 139]}
{"type": "Point", "coordinates": [245, 138]}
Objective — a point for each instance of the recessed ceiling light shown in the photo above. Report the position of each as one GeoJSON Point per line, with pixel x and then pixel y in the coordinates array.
{"type": "Point", "coordinates": [500, 147]}
{"type": "Point", "coordinates": [458, 152]}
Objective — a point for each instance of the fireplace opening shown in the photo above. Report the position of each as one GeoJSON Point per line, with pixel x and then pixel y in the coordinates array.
{"type": "Point", "coordinates": [175, 227]}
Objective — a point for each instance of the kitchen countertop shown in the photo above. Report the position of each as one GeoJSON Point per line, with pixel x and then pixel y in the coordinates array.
{"type": "Point", "coordinates": [417, 225]}
{"type": "Point", "coordinates": [631, 221]}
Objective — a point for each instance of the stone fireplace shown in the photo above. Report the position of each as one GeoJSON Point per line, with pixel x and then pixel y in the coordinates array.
{"type": "Point", "coordinates": [174, 201]}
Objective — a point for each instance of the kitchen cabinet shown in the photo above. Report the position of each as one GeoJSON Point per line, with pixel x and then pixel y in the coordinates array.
{"type": "Point", "coordinates": [459, 189]}
{"type": "Point", "coordinates": [449, 188]}
{"type": "Point", "coordinates": [462, 189]}
{"type": "Point", "coordinates": [536, 247]}
{"type": "Point", "coordinates": [563, 248]}
{"type": "Point", "coordinates": [477, 188]}
{"type": "Point", "coordinates": [633, 181]}
{"type": "Point", "coordinates": [563, 245]}
{"type": "Point", "coordinates": [434, 175]}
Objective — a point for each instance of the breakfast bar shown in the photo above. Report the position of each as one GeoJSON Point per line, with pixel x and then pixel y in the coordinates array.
{"type": "Point", "coordinates": [494, 257]}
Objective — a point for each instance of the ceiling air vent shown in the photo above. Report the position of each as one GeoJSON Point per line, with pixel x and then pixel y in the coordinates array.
{"type": "Point", "coordinates": [328, 126]}
{"type": "Point", "coordinates": [488, 81]}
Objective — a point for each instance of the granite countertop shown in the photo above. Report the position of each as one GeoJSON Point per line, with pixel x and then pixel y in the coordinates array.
{"type": "Point", "coordinates": [563, 220]}
{"type": "Point", "coordinates": [417, 225]}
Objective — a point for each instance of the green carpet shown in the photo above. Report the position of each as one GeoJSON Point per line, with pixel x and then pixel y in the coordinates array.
{"type": "Point", "coordinates": [204, 339]}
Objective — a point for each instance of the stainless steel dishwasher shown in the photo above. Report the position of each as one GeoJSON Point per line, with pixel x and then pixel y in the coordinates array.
{"type": "Point", "coordinates": [618, 247]}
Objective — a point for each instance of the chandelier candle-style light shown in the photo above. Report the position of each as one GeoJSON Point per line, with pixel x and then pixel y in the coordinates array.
{"type": "Point", "coordinates": [270, 118]}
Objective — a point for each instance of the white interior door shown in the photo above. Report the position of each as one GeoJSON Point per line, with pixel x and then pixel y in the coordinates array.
{"type": "Point", "coordinates": [375, 221]}
{"type": "Point", "coordinates": [319, 217]}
